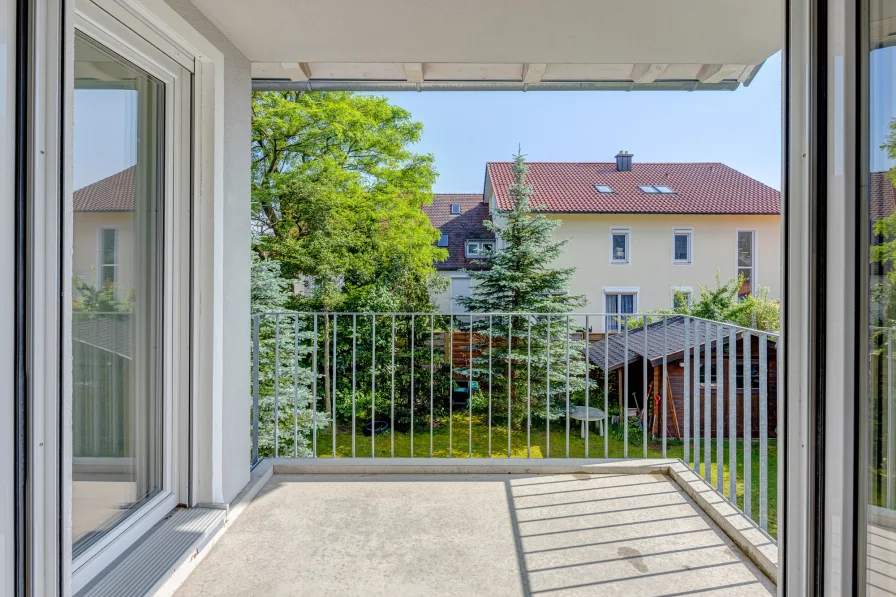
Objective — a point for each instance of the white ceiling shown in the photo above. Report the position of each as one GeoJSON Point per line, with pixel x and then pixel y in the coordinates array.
{"type": "Point", "coordinates": [521, 41]}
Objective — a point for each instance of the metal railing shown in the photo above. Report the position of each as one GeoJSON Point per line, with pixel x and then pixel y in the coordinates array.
{"type": "Point", "coordinates": [516, 385]}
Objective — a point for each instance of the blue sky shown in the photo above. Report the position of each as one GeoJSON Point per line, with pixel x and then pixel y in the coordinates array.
{"type": "Point", "coordinates": [465, 130]}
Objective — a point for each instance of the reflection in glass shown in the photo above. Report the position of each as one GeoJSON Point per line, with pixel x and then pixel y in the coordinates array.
{"type": "Point", "coordinates": [880, 432]}
{"type": "Point", "coordinates": [116, 287]}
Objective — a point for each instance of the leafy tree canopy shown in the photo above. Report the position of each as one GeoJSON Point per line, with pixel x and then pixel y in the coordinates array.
{"type": "Point", "coordinates": [337, 195]}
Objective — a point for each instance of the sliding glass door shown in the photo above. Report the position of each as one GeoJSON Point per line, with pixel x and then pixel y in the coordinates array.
{"type": "Point", "coordinates": [129, 210]}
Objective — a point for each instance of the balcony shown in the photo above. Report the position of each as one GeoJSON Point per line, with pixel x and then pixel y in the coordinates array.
{"type": "Point", "coordinates": [495, 454]}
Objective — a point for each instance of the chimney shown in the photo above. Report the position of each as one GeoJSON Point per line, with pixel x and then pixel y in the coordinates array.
{"type": "Point", "coordinates": [624, 161]}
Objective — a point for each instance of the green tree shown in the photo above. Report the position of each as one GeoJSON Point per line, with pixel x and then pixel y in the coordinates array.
{"type": "Point", "coordinates": [520, 279]}
{"type": "Point", "coordinates": [337, 196]}
{"type": "Point", "coordinates": [884, 252]}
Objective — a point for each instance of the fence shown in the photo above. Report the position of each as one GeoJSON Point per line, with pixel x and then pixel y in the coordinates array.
{"type": "Point", "coordinates": [522, 385]}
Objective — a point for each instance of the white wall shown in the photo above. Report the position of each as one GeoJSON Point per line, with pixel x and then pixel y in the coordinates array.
{"type": "Point", "coordinates": [650, 265]}
{"type": "Point", "coordinates": [235, 242]}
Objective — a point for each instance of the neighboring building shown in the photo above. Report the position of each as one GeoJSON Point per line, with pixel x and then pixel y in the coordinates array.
{"type": "Point", "coordinates": [638, 232]}
{"type": "Point", "coordinates": [103, 232]}
{"type": "Point", "coordinates": [882, 204]}
{"type": "Point", "coordinates": [459, 217]}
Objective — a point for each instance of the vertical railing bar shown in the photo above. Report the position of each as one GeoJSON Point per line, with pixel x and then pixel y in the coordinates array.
{"type": "Point", "coordinates": [354, 370]}
{"type": "Point", "coordinates": [547, 414]}
{"type": "Point", "coordinates": [470, 391]}
{"type": "Point", "coordinates": [606, 421]}
{"type": "Point", "coordinates": [623, 403]}
{"type": "Point", "coordinates": [412, 383]}
{"type": "Point", "coordinates": [295, 398]}
{"type": "Point", "coordinates": [686, 391]}
{"type": "Point", "coordinates": [373, 386]}
{"type": "Point", "coordinates": [509, 380]}
{"type": "Point", "coordinates": [720, 410]}
{"type": "Point", "coordinates": [891, 432]}
{"type": "Point", "coordinates": [277, 385]}
{"type": "Point", "coordinates": [333, 409]}
{"type": "Point", "coordinates": [255, 366]}
{"type": "Point", "coordinates": [392, 404]}
{"type": "Point", "coordinates": [763, 432]}
{"type": "Point", "coordinates": [586, 337]}
{"type": "Point", "coordinates": [732, 415]}
{"type": "Point", "coordinates": [698, 421]}
{"type": "Point", "coordinates": [567, 385]}
{"type": "Point", "coordinates": [314, 391]}
{"type": "Point", "coordinates": [529, 389]}
{"type": "Point", "coordinates": [665, 372]}
{"type": "Point", "coordinates": [432, 369]}
{"type": "Point", "coordinates": [490, 322]}
{"type": "Point", "coordinates": [707, 406]}
{"type": "Point", "coordinates": [747, 371]}
{"type": "Point", "coordinates": [449, 344]}
{"type": "Point", "coordinates": [647, 399]}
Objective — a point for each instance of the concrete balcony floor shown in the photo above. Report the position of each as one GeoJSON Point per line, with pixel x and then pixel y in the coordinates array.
{"type": "Point", "coordinates": [474, 534]}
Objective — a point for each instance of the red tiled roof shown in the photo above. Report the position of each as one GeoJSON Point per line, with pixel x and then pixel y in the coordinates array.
{"type": "Point", "coordinates": [114, 193]}
{"type": "Point", "coordinates": [700, 188]}
{"type": "Point", "coordinates": [459, 227]}
{"type": "Point", "coordinates": [882, 200]}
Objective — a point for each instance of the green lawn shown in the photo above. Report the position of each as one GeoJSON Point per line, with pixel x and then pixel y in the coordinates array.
{"type": "Point", "coordinates": [458, 441]}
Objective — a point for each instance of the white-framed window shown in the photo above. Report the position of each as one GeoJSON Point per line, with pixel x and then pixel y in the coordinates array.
{"type": "Point", "coordinates": [443, 240]}
{"type": "Point", "coordinates": [477, 249]}
{"type": "Point", "coordinates": [107, 257]}
{"type": "Point", "coordinates": [604, 188]}
{"type": "Point", "coordinates": [455, 209]}
{"type": "Point", "coordinates": [746, 260]}
{"type": "Point", "coordinates": [619, 301]}
{"type": "Point", "coordinates": [460, 286]}
{"type": "Point", "coordinates": [682, 246]}
{"type": "Point", "coordinates": [682, 296]}
{"type": "Point", "coordinates": [620, 245]}
{"type": "Point", "coordinates": [653, 189]}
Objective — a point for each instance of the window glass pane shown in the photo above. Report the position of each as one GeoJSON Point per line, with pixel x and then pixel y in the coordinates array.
{"type": "Point", "coordinates": [647, 188]}
{"type": "Point", "coordinates": [663, 189]}
{"type": "Point", "coordinates": [116, 329]}
{"type": "Point", "coordinates": [443, 240]}
{"type": "Point", "coordinates": [628, 303]}
{"type": "Point", "coordinates": [680, 299]}
{"type": "Point", "coordinates": [619, 247]}
{"type": "Point", "coordinates": [681, 247]}
{"type": "Point", "coordinates": [879, 278]}
{"type": "Point", "coordinates": [744, 248]}
{"type": "Point", "coordinates": [488, 247]}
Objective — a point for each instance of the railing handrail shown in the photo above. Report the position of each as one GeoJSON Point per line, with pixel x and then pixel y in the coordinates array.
{"type": "Point", "coordinates": [639, 315]}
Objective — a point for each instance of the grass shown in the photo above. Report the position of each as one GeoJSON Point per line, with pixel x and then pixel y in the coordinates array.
{"type": "Point", "coordinates": [462, 437]}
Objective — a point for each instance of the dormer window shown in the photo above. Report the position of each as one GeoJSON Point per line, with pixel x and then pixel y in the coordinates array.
{"type": "Point", "coordinates": [603, 188]}
{"type": "Point", "coordinates": [455, 209]}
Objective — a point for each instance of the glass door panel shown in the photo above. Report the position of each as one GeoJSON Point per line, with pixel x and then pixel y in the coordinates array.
{"type": "Point", "coordinates": [117, 249]}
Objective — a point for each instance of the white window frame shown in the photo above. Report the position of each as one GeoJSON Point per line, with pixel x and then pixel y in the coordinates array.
{"type": "Point", "coordinates": [618, 290]}
{"type": "Point", "coordinates": [627, 231]}
{"type": "Point", "coordinates": [610, 191]}
{"type": "Point", "coordinates": [476, 242]}
{"type": "Point", "coordinates": [452, 211]}
{"type": "Point", "coordinates": [754, 269]}
{"type": "Point", "coordinates": [114, 26]}
{"type": "Point", "coordinates": [689, 231]}
{"type": "Point", "coordinates": [99, 255]}
{"type": "Point", "coordinates": [689, 290]}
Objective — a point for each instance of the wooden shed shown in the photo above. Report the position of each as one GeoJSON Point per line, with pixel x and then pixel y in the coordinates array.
{"type": "Point", "coordinates": [668, 339]}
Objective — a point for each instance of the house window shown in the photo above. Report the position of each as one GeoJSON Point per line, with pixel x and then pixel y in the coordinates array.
{"type": "Point", "coordinates": [443, 240]}
{"type": "Point", "coordinates": [682, 296]}
{"type": "Point", "coordinates": [620, 245]}
{"type": "Point", "coordinates": [603, 188]}
{"type": "Point", "coordinates": [477, 249]}
{"type": "Point", "coordinates": [460, 286]}
{"type": "Point", "coordinates": [455, 208]}
{"type": "Point", "coordinates": [619, 302]}
{"type": "Point", "coordinates": [658, 188]}
{"type": "Point", "coordinates": [746, 260]}
{"type": "Point", "coordinates": [682, 240]}
{"type": "Point", "coordinates": [107, 266]}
